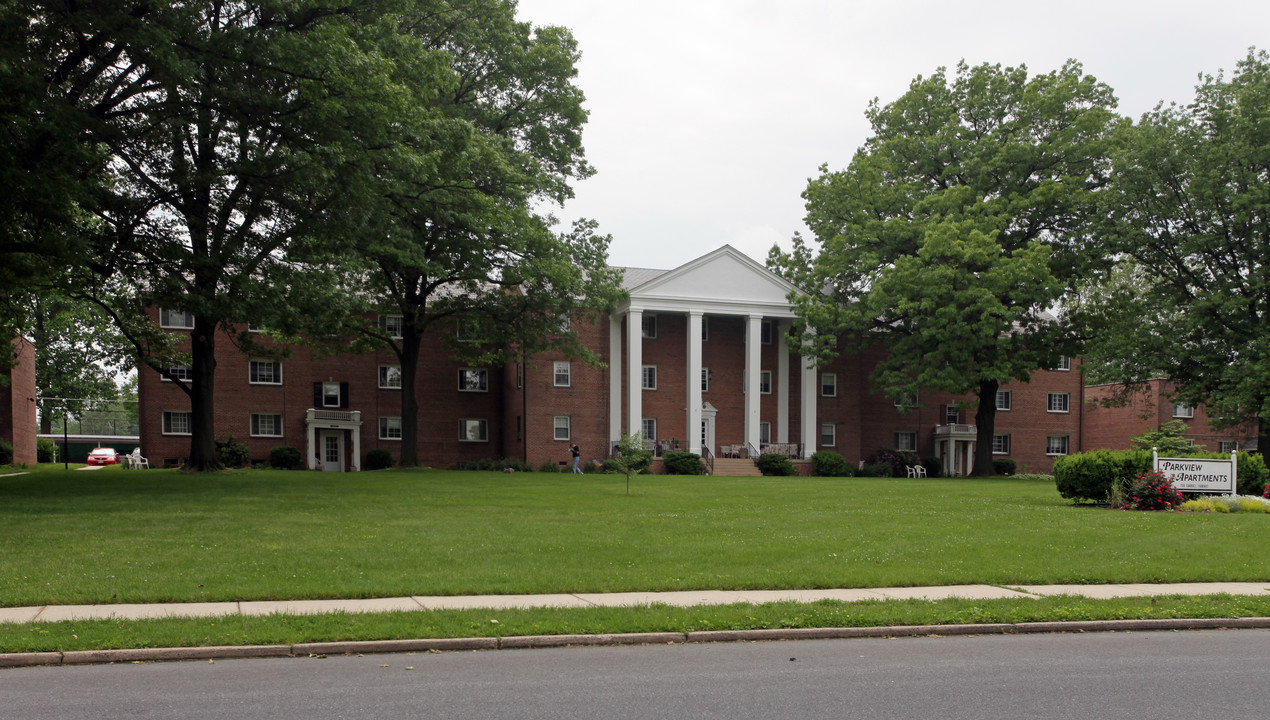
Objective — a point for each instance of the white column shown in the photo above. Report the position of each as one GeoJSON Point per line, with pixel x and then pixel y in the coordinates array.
{"type": "Point", "coordinates": [615, 377]}
{"type": "Point", "coordinates": [310, 453]}
{"type": "Point", "coordinates": [694, 382]}
{"type": "Point", "coordinates": [753, 362]}
{"type": "Point", "coordinates": [782, 382]}
{"type": "Point", "coordinates": [810, 392]}
{"type": "Point", "coordinates": [357, 441]}
{"type": "Point", "coordinates": [635, 373]}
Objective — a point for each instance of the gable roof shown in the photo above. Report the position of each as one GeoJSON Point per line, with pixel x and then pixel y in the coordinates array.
{"type": "Point", "coordinates": [722, 282]}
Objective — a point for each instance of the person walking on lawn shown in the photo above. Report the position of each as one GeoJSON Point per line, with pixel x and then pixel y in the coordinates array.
{"type": "Point", "coordinates": [577, 455]}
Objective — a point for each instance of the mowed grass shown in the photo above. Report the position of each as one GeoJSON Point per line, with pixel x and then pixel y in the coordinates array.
{"type": "Point", "coordinates": [115, 536]}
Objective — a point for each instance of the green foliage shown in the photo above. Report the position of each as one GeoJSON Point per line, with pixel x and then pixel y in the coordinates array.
{"type": "Point", "coordinates": [6, 453]}
{"type": "Point", "coordinates": [232, 453]}
{"type": "Point", "coordinates": [612, 466]}
{"type": "Point", "coordinates": [683, 463]}
{"type": "Point", "coordinates": [897, 460]}
{"type": "Point", "coordinates": [379, 459]}
{"type": "Point", "coordinates": [1003, 466]}
{"type": "Point", "coordinates": [1228, 504]}
{"type": "Point", "coordinates": [1093, 475]}
{"type": "Point", "coordinates": [45, 450]}
{"type": "Point", "coordinates": [285, 457]}
{"type": "Point", "coordinates": [631, 457]}
{"type": "Point", "coordinates": [775, 464]}
{"type": "Point", "coordinates": [934, 466]}
{"type": "Point", "coordinates": [877, 470]}
{"type": "Point", "coordinates": [1153, 491]}
{"type": "Point", "coordinates": [1167, 440]}
{"type": "Point", "coordinates": [827, 463]}
{"type": "Point", "coordinates": [1252, 471]}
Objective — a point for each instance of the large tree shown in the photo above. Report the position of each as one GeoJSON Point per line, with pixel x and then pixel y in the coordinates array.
{"type": "Point", "coordinates": [227, 130]}
{"type": "Point", "coordinates": [466, 246]}
{"type": "Point", "coordinates": [955, 231]}
{"type": "Point", "coordinates": [1189, 216]}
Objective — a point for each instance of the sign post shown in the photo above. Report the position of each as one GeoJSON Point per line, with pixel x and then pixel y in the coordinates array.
{"type": "Point", "coordinates": [1199, 475]}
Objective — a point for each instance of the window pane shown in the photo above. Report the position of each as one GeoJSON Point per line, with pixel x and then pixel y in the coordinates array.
{"type": "Point", "coordinates": [473, 380]}
{"type": "Point", "coordinates": [562, 427]}
{"type": "Point", "coordinates": [649, 326]}
{"type": "Point", "coordinates": [765, 382]}
{"type": "Point", "coordinates": [827, 434]}
{"type": "Point", "coordinates": [829, 385]}
{"type": "Point", "coordinates": [650, 377]}
{"type": "Point", "coordinates": [1003, 399]}
{"type": "Point", "coordinates": [389, 376]}
{"type": "Point", "coordinates": [563, 372]}
{"type": "Point", "coordinates": [648, 426]}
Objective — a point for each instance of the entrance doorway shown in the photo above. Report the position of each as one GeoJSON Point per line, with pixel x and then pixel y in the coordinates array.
{"type": "Point", "coordinates": [331, 447]}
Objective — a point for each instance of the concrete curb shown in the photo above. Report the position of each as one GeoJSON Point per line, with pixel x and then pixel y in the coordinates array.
{"type": "Point", "coordinates": [651, 638]}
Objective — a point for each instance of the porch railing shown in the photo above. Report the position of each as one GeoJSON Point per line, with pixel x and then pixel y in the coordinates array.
{"type": "Point", "coordinates": [708, 457]}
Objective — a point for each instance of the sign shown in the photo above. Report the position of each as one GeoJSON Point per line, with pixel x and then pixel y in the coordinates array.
{"type": "Point", "coordinates": [1199, 475]}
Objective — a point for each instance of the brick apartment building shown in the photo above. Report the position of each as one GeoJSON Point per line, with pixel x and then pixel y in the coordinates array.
{"type": "Point", "coordinates": [17, 402]}
{"type": "Point", "coordinates": [697, 357]}
{"type": "Point", "coordinates": [1149, 408]}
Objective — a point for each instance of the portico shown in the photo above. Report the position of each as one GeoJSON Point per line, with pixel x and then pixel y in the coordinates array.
{"type": "Point", "coordinates": [728, 287]}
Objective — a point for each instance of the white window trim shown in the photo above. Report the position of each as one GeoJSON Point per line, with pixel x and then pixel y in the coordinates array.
{"type": "Point", "coordinates": [1006, 451]}
{"type": "Point", "coordinates": [386, 320]}
{"type": "Point", "coordinates": [705, 328]}
{"type": "Point", "coordinates": [644, 424]}
{"type": "Point", "coordinates": [705, 379]}
{"type": "Point", "coordinates": [463, 430]}
{"type": "Point", "coordinates": [183, 372]}
{"type": "Point", "coordinates": [385, 427]}
{"type": "Point", "coordinates": [648, 326]}
{"type": "Point", "coordinates": [765, 381]}
{"type": "Point", "coordinates": [1064, 364]}
{"type": "Point", "coordinates": [1009, 400]}
{"type": "Point", "coordinates": [766, 332]}
{"type": "Point", "coordinates": [326, 395]}
{"type": "Point", "coordinates": [481, 373]}
{"type": "Point", "coordinates": [829, 380]}
{"type": "Point", "coordinates": [556, 426]}
{"type": "Point", "coordinates": [165, 422]}
{"type": "Point", "coordinates": [1066, 442]}
{"type": "Point", "coordinates": [254, 423]}
{"type": "Point", "coordinates": [1183, 411]}
{"type": "Point", "coordinates": [165, 319]}
{"type": "Point", "coordinates": [277, 366]}
{"type": "Point", "coordinates": [1067, 403]}
{"type": "Point", "coordinates": [833, 435]}
{"type": "Point", "coordinates": [644, 376]}
{"type": "Point", "coordinates": [764, 431]}
{"type": "Point", "coordinates": [383, 375]}
{"type": "Point", "coordinates": [567, 368]}
{"type": "Point", "coordinates": [906, 434]}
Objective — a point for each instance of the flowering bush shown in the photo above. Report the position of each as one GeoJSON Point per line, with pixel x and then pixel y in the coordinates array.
{"type": "Point", "coordinates": [1153, 491]}
{"type": "Point", "coordinates": [1266, 494]}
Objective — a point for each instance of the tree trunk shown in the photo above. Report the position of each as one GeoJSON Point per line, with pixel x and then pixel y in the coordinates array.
{"type": "Point", "coordinates": [203, 456]}
{"type": "Point", "coordinates": [409, 358]}
{"type": "Point", "coordinates": [985, 427]}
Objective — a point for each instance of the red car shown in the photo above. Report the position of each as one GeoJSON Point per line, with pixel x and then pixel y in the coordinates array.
{"type": "Point", "coordinates": [103, 456]}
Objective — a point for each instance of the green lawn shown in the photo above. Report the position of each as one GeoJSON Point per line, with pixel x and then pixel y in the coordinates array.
{"type": "Point", "coordinates": [145, 536]}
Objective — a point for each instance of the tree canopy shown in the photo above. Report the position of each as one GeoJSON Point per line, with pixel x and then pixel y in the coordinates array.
{"type": "Point", "coordinates": [1188, 216]}
{"type": "Point", "coordinates": [956, 229]}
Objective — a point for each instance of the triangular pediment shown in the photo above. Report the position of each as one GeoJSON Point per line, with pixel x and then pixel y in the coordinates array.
{"type": "Point", "coordinates": [725, 276]}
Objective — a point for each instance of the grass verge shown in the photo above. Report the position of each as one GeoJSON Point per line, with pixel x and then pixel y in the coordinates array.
{"type": "Point", "coordinates": [292, 629]}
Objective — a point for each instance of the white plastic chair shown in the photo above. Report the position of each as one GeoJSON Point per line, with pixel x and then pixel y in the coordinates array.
{"type": "Point", "coordinates": [137, 461]}
{"type": "Point", "coordinates": [918, 471]}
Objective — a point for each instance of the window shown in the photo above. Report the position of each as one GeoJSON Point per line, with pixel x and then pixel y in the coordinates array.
{"type": "Point", "coordinates": [829, 385]}
{"type": "Point", "coordinates": [391, 325]}
{"type": "Point", "coordinates": [178, 319]}
{"type": "Point", "coordinates": [648, 426]}
{"type": "Point", "coordinates": [182, 372]}
{"type": "Point", "coordinates": [389, 428]}
{"type": "Point", "coordinates": [952, 415]}
{"type": "Point", "coordinates": [473, 380]}
{"type": "Point", "coordinates": [764, 433]}
{"type": "Point", "coordinates": [331, 395]}
{"type": "Point", "coordinates": [705, 379]}
{"type": "Point", "coordinates": [765, 332]}
{"type": "Point", "coordinates": [472, 430]}
{"type": "Point", "coordinates": [563, 373]}
{"type": "Point", "coordinates": [1181, 410]}
{"type": "Point", "coordinates": [1058, 403]}
{"type": "Point", "coordinates": [828, 435]}
{"type": "Point", "coordinates": [906, 441]}
{"type": "Point", "coordinates": [765, 382]}
{"type": "Point", "coordinates": [906, 400]}
{"type": "Point", "coordinates": [520, 375]}
{"type": "Point", "coordinates": [264, 372]}
{"type": "Point", "coordinates": [1000, 444]}
{"type": "Point", "coordinates": [176, 422]}
{"type": "Point", "coordinates": [1064, 363]}
{"type": "Point", "coordinates": [266, 425]}
{"type": "Point", "coordinates": [390, 377]}
{"type": "Point", "coordinates": [1056, 445]}
{"type": "Point", "coordinates": [1003, 399]}
{"type": "Point", "coordinates": [467, 330]}
{"type": "Point", "coordinates": [705, 328]}
{"type": "Point", "coordinates": [1227, 446]}
{"type": "Point", "coordinates": [563, 427]}
{"type": "Point", "coordinates": [564, 324]}
{"type": "Point", "coordinates": [255, 328]}
{"type": "Point", "coordinates": [649, 326]}
{"type": "Point", "coordinates": [650, 377]}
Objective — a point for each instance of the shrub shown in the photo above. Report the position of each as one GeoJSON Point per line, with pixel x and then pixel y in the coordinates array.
{"type": "Point", "coordinates": [6, 453]}
{"type": "Point", "coordinates": [611, 466]}
{"type": "Point", "coordinates": [934, 466]}
{"type": "Point", "coordinates": [1092, 475]}
{"type": "Point", "coordinates": [898, 460]}
{"type": "Point", "coordinates": [285, 457]}
{"type": "Point", "coordinates": [1153, 491]}
{"type": "Point", "coordinates": [775, 464]}
{"type": "Point", "coordinates": [1252, 473]}
{"type": "Point", "coordinates": [45, 450]}
{"type": "Point", "coordinates": [379, 459]}
{"type": "Point", "coordinates": [549, 466]}
{"type": "Point", "coordinates": [1003, 466]}
{"type": "Point", "coordinates": [683, 463]}
{"type": "Point", "coordinates": [827, 463]}
{"type": "Point", "coordinates": [1266, 493]}
{"type": "Point", "coordinates": [231, 452]}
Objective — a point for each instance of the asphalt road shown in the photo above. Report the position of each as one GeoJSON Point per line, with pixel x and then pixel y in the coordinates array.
{"type": "Point", "coordinates": [1158, 675]}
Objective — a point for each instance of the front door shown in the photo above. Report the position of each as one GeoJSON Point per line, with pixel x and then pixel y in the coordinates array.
{"type": "Point", "coordinates": [331, 443]}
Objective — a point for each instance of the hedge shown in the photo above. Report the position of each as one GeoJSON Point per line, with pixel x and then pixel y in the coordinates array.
{"type": "Point", "coordinates": [1092, 475]}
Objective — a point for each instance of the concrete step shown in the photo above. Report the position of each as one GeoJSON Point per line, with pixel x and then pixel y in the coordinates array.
{"type": "Point", "coordinates": [733, 467]}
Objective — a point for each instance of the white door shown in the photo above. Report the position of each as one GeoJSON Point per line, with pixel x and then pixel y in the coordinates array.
{"type": "Point", "coordinates": [331, 443]}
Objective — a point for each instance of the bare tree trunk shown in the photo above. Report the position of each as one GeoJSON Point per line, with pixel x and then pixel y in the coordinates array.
{"type": "Point", "coordinates": [203, 456]}
{"type": "Point", "coordinates": [985, 427]}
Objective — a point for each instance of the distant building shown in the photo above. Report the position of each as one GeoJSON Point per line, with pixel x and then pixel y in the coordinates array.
{"type": "Point", "coordinates": [1146, 410]}
{"type": "Point", "coordinates": [17, 403]}
{"type": "Point", "coordinates": [696, 358]}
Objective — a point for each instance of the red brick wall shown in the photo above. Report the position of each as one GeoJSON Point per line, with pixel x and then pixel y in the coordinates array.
{"type": "Point", "coordinates": [18, 424]}
{"type": "Point", "coordinates": [585, 401]}
{"type": "Point", "coordinates": [1146, 410]}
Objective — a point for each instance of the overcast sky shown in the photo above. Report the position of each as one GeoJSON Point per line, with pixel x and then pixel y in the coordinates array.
{"type": "Point", "coordinates": [708, 117]}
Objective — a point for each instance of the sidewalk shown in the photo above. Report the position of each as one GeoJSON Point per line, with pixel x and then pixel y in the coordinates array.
{"type": "Point", "coordinates": [56, 613]}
